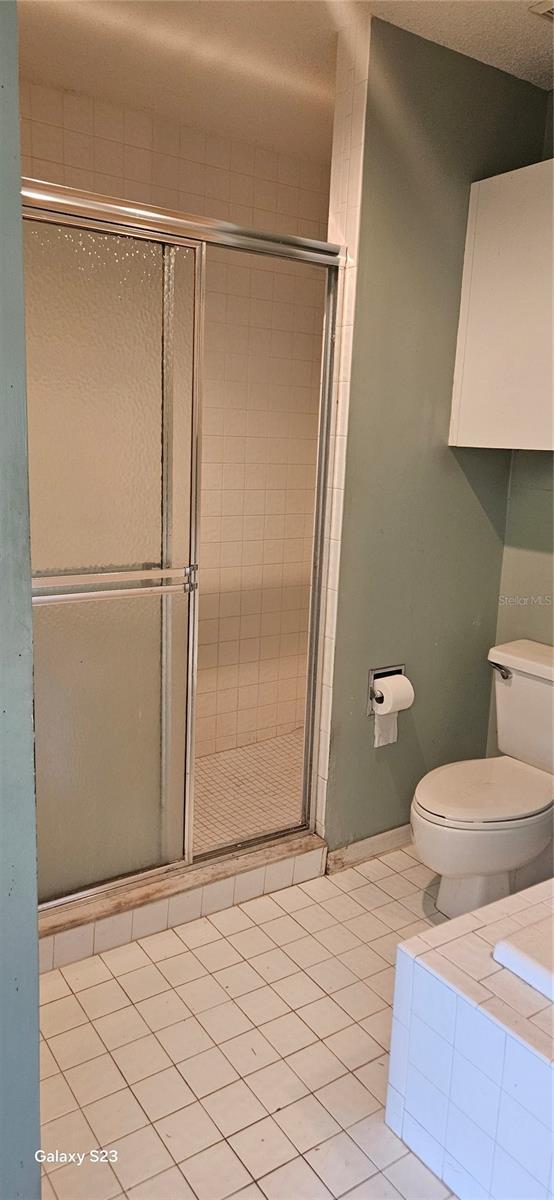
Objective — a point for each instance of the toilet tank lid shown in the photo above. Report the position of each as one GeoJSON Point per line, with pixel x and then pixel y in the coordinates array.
{"type": "Point", "coordinates": [533, 658]}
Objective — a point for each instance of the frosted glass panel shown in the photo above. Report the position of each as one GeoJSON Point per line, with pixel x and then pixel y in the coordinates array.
{"type": "Point", "coordinates": [94, 391]}
{"type": "Point", "coordinates": [100, 739]}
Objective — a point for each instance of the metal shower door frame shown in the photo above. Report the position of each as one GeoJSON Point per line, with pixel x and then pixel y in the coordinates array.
{"type": "Point", "coordinates": [66, 206]}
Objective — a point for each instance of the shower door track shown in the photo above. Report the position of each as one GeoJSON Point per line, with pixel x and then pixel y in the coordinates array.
{"type": "Point", "coordinates": [68, 206]}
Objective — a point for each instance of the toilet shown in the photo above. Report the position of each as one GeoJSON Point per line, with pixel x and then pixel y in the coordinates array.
{"type": "Point", "coordinates": [476, 822]}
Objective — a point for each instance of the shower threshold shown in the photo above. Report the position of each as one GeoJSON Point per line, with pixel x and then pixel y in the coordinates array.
{"type": "Point", "coordinates": [169, 896]}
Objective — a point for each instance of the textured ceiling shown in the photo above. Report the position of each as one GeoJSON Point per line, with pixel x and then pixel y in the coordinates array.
{"type": "Point", "coordinates": [262, 70]}
{"type": "Point", "coordinates": [502, 33]}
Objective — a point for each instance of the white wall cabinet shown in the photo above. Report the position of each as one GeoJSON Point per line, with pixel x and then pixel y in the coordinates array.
{"type": "Point", "coordinates": [502, 394]}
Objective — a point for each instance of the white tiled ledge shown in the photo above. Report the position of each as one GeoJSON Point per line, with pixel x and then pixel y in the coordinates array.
{"type": "Point", "coordinates": [471, 1078]}
{"type": "Point", "coordinates": [79, 929]}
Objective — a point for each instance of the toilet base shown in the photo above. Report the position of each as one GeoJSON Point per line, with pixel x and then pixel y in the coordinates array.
{"type": "Point", "coordinates": [464, 894]}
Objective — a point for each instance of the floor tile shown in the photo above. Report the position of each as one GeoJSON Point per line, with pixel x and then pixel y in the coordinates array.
{"type": "Point", "coordinates": [374, 1076]}
{"type": "Point", "coordinates": [359, 1001]}
{"type": "Point", "coordinates": [217, 955]}
{"type": "Point", "coordinates": [48, 1064]}
{"type": "Point", "coordinates": [252, 941]}
{"type": "Point", "coordinates": [60, 1015]}
{"type": "Point", "coordinates": [234, 1107]}
{"type": "Point", "coordinates": [414, 1180]}
{"type": "Point", "coordinates": [114, 1116]}
{"type": "Point", "coordinates": [56, 1098]}
{"type": "Point", "coordinates": [276, 1086]}
{"type": "Point", "coordinates": [225, 1021]}
{"type": "Point", "coordinates": [348, 880]}
{"type": "Point", "coordinates": [125, 958]}
{"type": "Point", "coordinates": [169, 1185]}
{"type": "Point", "coordinates": [139, 1156]}
{"type": "Point", "coordinates": [397, 860]}
{"type": "Point", "coordinates": [90, 1181]}
{"type": "Point", "coordinates": [262, 1147]}
{"type": "Point", "coordinates": [283, 930]}
{"type": "Point", "coordinates": [70, 1130]}
{"type": "Point", "coordinates": [367, 928]}
{"type": "Point", "coordinates": [147, 981]}
{"type": "Point", "coordinates": [378, 1187]}
{"type": "Point", "coordinates": [376, 1140]}
{"type": "Point", "coordinates": [53, 986]}
{"type": "Point", "coordinates": [231, 920]}
{"type": "Point", "coordinates": [325, 1017]}
{"type": "Point", "coordinates": [374, 869]}
{"type": "Point", "coordinates": [331, 975]}
{"type": "Point", "coordinates": [395, 914]}
{"type": "Point", "coordinates": [184, 1039]}
{"type": "Point", "coordinates": [202, 993]}
{"type": "Point", "coordinates": [86, 973]}
{"type": "Point", "coordinates": [344, 908]}
{"type": "Point", "coordinates": [306, 1123]}
{"type": "Point", "coordinates": [320, 889]}
{"type": "Point", "coordinates": [102, 999]}
{"type": "Point", "coordinates": [291, 899]}
{"type": "Point", "coordinates": [76, 1046]}
{"type": "Point", "coordinates": [354, 1047]}
{"type": "Point", "coordinates": [314, 918]}
{"type": "Point", "coordinates": [94, 1079]}
{"type": "Point", "coordinates": [275, 964]}
{"type": "Point", "coordinates": [163, 1093]}
{"type": "Point", "coordinates": [198, 933]}
{"type": "Point", "coordinates": [207, 1072]}
{"type": "Point", "coordinates": [383, 983]}
{"type": "Point", "coordinates": [141, 1058]}
{"type": "Point", "coordinates": [238, 980]}
{"type": "Point", "coordinates": [263, 1005]}
{"type": "Point", "coordinates": [316, 1065]}
{"type": "Point", "coordinates": [119, 1028]}
{"type": "Point", "coordinates": [262, 909]}
{"type": "Point", "coordinates": [188, 1131]}
{"type": "Point", "coordinates": [182, 968]}
{"type": "Point", "coordinates": [340, 1163]}
{"type": "Point", "coordinates": [364, 961]}
{"type": "Point", "coordinates": [297, 990]}
{"type": "Point", "coordinates": [307, 950]}
{"type": "Point", "coordinates": [379, 1026]}
{"type": "Point", "coordinates": [161, 945]}
{"type": "Point", "coordinates": [249, 1052]}
{"type": "Point", "coordinates": [288, 1033]}
{"type": "Point", "coordinates": [165, 1009]}
{"type": "Point", "coordinates": [398, 886]}
{"type": "Point", "coordinates": [215, 1173]}
{"type": "Point", "coordinates": [294, 1181]}
{"type": "Point", "coordinates": [347, 1100]}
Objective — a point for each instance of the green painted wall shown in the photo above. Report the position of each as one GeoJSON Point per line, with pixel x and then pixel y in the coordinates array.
{"type": "Point", "coordinates": [19, 1122]}
{"type": "Point", "coordinates": [423, 524]}
{"type": "Point", "coordinates": [525, 609]}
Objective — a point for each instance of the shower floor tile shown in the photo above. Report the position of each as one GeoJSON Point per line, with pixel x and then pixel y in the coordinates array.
{"type": "Point", "coordinates": [260, 1098]}
{"type": "Point", "coordinates": [248, 792]}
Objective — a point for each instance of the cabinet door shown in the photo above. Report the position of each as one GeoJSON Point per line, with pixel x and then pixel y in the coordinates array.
{"type": "Point", "coordinates": [502, 393]}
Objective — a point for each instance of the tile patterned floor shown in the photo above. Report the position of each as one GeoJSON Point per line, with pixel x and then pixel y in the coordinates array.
{"type": "Point", "coordinates": [244, 1054]}
{"type": "Point", "coordinates": [247, 792]}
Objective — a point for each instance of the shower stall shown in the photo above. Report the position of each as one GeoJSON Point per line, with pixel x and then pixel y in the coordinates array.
{"type": "Point", "coordinates": [179, 377]}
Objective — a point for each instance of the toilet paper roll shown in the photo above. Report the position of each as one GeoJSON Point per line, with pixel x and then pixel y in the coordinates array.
{"type": "Point", "coordinates": [398, 694]}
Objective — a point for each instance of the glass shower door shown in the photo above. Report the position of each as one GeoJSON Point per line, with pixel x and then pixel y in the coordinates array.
{"type": "Point", "coordinates": [110, 337]}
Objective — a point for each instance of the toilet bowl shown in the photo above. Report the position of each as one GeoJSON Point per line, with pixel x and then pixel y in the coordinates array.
{"type": "Point", "coordinates": [477, 822]}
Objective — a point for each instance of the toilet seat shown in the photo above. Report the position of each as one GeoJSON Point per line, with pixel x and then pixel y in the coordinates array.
{"type": "Point", "coordinates": [484, 793]}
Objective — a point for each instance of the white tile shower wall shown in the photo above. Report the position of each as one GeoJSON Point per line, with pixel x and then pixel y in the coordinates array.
{"type": "Point", "coordinates": [83, 142]}
{"type": "Point", "coordinates": [343, 228]}
{"type": "Point", "coordinates": [261, 378]}
{"type": "Point", "coordinates": [471, 1075]}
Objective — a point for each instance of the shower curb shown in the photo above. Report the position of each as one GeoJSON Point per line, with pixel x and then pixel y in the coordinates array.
{"type": "Point", "coordinates": [134, 908]}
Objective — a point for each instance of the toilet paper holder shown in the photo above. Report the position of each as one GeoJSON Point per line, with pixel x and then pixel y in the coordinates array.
{"type": "Point", "coordinates": [374, 695]}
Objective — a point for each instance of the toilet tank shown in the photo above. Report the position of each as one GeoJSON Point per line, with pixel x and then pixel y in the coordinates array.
{"type": "Point", "coordinates": [525, 702]}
